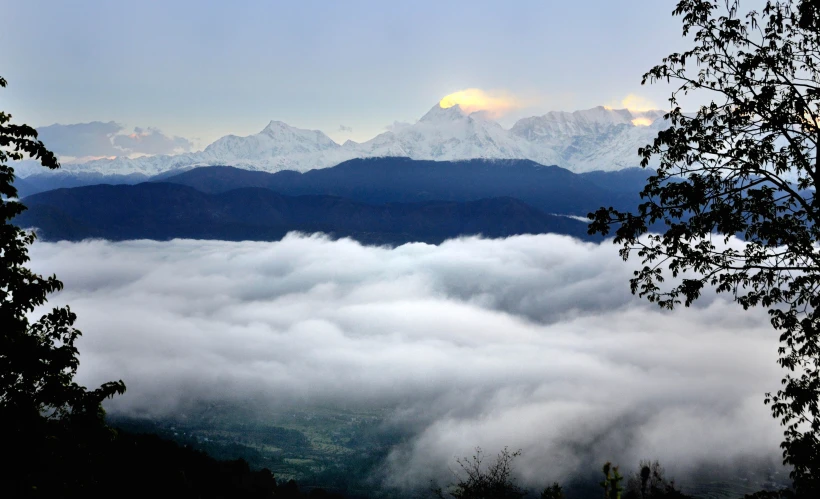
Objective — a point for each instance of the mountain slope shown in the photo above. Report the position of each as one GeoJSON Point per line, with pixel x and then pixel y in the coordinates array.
{"type": "Point", "coordinates": [164, 211]}
{"type": "Point", "coordinates": [277, 147]}
{"type": "Point", "coordinates": [593, 139]}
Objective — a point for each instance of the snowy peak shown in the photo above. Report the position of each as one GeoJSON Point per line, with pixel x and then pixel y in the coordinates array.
{"type": "Point", "coordinates": [558, 125]}
{"type": "Point", "coordinates": [593, 139]}
{"type": "Point", "coordinates": [445, 134]}
{"type": "Point", "coordinates": [282, 131]}
{"type": "Point", "coordinates": [276, 139]}
{"type": "Point", "coordinates": [445, 115]}
{"type": "Point", "coordinates": [276, 127]}
{"type": "Point", "coordinates": [438, 114]}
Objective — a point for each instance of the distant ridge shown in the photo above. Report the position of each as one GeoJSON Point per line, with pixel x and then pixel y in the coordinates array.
{"type": "Point", "coordinates": [165, 211]}
{"type": "Point", "coordinates": [382, 180]}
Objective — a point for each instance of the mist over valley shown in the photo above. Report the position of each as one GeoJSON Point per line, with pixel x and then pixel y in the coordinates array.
{"type": "Point", "coordinates": [531, 342]}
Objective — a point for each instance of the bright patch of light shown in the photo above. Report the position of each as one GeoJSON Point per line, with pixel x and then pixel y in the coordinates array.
{"type": "Point", "coordinates": [634, 103]}
{"type": "Point", "coordinates": [495, 103]}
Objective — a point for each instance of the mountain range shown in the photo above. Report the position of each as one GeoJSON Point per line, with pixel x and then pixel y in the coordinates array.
{"type": "Point", "coordinates": [595, 139]}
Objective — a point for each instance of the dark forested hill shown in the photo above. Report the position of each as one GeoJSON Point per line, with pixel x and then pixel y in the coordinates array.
{"type": "Point", "coordinates": [165, 211]}
{"type": "Point", "coordinates": [628, 181]}
{"type": "Point", "coordinates": [383, 180]}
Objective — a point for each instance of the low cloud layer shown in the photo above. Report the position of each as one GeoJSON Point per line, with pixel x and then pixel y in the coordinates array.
{"type": "Point", "coordinates": [98, 139]}
{"type": "Point", "coordinates": [532, 342]}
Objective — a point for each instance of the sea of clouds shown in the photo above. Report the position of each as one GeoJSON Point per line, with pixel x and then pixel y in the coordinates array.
{"type": "Point", "coordinates": [531, 342]}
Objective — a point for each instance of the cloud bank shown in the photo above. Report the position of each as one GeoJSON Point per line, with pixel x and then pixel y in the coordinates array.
{"type": "Point", "coordinates": [532, 342]}
{"type": "Point", "coordinates": [151, 141]}
{"type": "Point", "coordinates": [83, 141]}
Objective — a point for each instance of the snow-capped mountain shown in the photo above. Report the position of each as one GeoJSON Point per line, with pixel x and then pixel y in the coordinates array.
{"type": "Point", "coordinates": [447, 134]}
{"type": "Point", "coordinates": [555, 126]}
{"type": "Point", "coordinates": [277, 147]}
{"type": "Point", "coordinates": [275, 140]}
{"type": "Point", "coordinates": [593, 139]}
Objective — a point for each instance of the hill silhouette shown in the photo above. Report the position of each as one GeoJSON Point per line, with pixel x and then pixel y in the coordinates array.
{"type": "Point", "coordinates": [163, 211]}
{"type": "Point", "coordinates": [384, 180]}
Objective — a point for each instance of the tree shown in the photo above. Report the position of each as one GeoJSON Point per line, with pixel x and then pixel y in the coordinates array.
{"type": "Point", "coordinates": [612, 482]}
{"type": "Point", "coordinates": [553, 491]}
{"type": "Point", "coordinates": [650, 482]}
{"type": "Point", "coordinates": [477, 481]}
{"type": "Point", "coordinates": [49, 423]}
{"type": "Point", "coordinates": [746, 164]}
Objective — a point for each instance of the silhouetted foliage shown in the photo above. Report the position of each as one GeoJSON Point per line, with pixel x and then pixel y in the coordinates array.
{"type": "Point", "coordinates": [768, 494]}
{"type": "Point", "coordinates": [554, 491]}
{"type": "Point", "coordinates": [475, 480]}
{"type": "Point", "coordinates": [650, 482]}
{"type": "Point", "coordinates": [612, 482]}
{"type": "Point", "coordinates": [147, 466]}
{"type": "Point", "coordinates": [744, 164]}
{"type": "Point", "coordinates": [50, 424]}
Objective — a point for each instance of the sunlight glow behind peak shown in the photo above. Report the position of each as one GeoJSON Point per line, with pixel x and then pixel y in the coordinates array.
{"type": "Point", "coordinates": [470, 100]}
{"type": "Point", "coordinates": [634, 103]}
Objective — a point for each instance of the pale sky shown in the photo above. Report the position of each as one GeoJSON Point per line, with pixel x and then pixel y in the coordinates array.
{"type": "Point", "coordinates": [202, 69]}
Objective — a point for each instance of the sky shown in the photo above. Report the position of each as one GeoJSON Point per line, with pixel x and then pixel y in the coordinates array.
{"type": "Point", "coordinates": [198, 69]}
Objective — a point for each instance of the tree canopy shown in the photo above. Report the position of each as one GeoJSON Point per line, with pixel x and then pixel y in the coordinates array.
{"type": "Point", "coordinates": [48, 421]}
{"type": "Point", "coordinates": [735, 191]}
{"type": "Point", "coordinates": [476, 480]}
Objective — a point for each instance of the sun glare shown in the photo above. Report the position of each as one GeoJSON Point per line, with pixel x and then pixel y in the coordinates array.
{"type": "Point", "coordinates": [634, 103]}
{"type": "Point", "coordinates": [643, 121]}
{"type": "Point", "coordinates": [471, 100]}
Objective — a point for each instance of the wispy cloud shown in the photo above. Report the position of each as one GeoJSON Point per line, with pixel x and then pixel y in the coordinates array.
{"type": "Point", "coordinates": [81, 139]}
{"type": "Point", "coordinates": [85, 141]}
{"type": "Point", "coordinates": [151, 141]}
